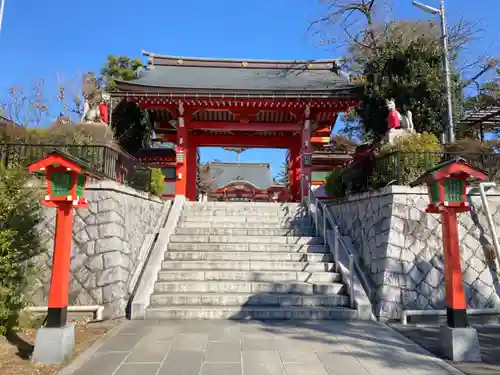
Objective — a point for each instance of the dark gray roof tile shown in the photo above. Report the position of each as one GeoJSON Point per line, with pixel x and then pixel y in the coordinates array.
{"type": "Point", "coordinates": [256, 174]}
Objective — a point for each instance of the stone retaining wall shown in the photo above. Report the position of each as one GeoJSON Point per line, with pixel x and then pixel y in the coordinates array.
{"type": "Point", "coordinates": [400, 248]}
{"type": "Point", "coordinates": [107, 245]}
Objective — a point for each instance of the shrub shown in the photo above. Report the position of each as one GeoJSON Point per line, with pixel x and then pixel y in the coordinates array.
{"type": "Point", "coordinates": [156, 185]}
{"type": "Point", "coordinates": [407, 158]}
{"type": "Point", "coordinates": [334, 185]}
{"type": "Point", "coordinates": [60, 132]}
{"type": "Point", "coordinates": [19, 242]}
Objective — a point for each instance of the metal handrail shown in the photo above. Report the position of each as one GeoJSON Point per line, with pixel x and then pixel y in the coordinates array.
{"type": "Point", "coordinates": [322, 207]}
{"type": "Point", "coordinates": [326, 216]}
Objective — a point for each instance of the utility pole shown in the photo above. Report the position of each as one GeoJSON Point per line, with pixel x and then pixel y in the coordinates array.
{"type": "Point", "coordinates": [449, 101]}
{"type": "Point", "coordinates": [449, 128]}
{"type": "Point", "coordinates": [2, 7]}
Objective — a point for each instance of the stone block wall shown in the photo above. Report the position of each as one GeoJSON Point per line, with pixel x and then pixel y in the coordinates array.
{"type": "Point", "coordinates": [400, 248]}
{"type": "Point", "coordinates": [107, 245]}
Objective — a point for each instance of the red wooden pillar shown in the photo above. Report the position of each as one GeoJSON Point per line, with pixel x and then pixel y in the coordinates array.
{"type": "Point", "coordinates": [182, 142]}
{"type": "Point", "coordinates": [61, 259]}
{"type": "Point", "coordinates": [455, 295]}
{"type": "Point", "coordinates": [191, 166]}
{"type": "Point", "coordinates": [294, 171]}
{"type": "Point", "coordinates": [306, 149]}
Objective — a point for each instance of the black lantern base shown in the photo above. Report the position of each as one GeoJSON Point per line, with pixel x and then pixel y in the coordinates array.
{"type": "Point", "coordinates": [456, 318]}
{"type": "Point", "coordinates": [57, 317]}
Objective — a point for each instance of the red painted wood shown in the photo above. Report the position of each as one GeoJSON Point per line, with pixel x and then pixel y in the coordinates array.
{"type": "Point", "coordinates": [59, 283]}
{"type": "Point", "coordinates": [51, 160]}
{"type": "Point", "coordinates": [181, 170]}
{"type": "Point", "coordinates": [455, 296]}
{"type": "Point", "coordinates": [226, 140]}
{"type": "Point", "coordinates": [237, 126]}
{"type": "Point", "coordinates": [191, 161]}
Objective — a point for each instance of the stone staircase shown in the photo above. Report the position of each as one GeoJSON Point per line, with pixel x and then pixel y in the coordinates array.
{"type": "Point", "coordinates": [247, 261]}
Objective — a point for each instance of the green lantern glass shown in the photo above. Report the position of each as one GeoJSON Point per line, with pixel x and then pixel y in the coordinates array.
{"type": "Point", "coordinates": [60, 183]}
{"type": "Point", "coordinates": [80, 184]}
{"type": "Point", "coordinates": [454, 190]}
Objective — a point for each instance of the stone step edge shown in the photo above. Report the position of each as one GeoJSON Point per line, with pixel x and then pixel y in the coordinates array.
{"type": "Point", "coordinates": [283, 282]}
{"type": "Point", "coordinates": [244, 252]}
{"type": "Point", "coordinates": [249, 295]}
{"type": "Point", "coordinates": [170, 269]}
{"type": "Point", "coordinates": [176, 270]}
{"type": "Point", "coordinates": [240, 308]}
{"type": "Point", "coordinates": [340, 309]}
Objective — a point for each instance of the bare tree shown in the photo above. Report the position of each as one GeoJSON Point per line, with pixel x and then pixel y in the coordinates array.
{"type": "Point", "coordinates": [26, 107]}
{"type": "Point", "coordinates": [70, 96]}
{"type": "Point", "coordinates": [355, 18]}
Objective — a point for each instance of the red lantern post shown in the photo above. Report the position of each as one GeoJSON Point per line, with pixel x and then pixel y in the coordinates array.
{"type": "Point", "coordinates": [447, 185]}
{"type": "Point", "coordinates": [65, 187]}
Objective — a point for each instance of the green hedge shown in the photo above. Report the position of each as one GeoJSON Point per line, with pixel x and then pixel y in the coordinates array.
{"type": "Point", "coordinates": [19, 242]}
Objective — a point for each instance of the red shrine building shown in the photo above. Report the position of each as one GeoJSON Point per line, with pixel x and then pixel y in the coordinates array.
{"type": "Point", "coordinates": [196, 102]}
{"type": "Point", "coordinates": [246, 182]}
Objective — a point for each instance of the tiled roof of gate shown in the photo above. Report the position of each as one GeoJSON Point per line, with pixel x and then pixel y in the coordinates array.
{"type": "Point", "coordinates": [182, 73]}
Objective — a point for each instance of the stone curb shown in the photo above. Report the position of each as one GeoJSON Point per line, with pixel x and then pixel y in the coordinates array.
{"type": "Point", "coordinates": [442, 363]}
{"type": "Point", "coordinates": [82, 358]}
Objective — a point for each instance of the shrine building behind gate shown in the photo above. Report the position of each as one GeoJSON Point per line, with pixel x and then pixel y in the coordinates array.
{"type": "Point", "coordinates": [196, 102]}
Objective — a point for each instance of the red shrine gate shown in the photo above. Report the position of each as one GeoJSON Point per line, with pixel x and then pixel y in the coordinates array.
{"type": "Point", "coordinates": [235, 103]}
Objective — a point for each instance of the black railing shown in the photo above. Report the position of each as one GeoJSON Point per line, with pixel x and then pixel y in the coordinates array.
{"type": "Point", "coordinates": [109, 162]}
{"type": "Point", "coordinates": [400, 168]}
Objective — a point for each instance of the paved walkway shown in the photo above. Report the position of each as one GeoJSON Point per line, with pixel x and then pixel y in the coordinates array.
{"type": "Point", "coordinates": [256, 348]}
{"type": "Point", "coordinates": [489, 340]}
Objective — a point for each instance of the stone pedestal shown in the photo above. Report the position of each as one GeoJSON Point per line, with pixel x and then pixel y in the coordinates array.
{"type": "Point", "coordinates": [393, 134]}
{"type": "Point", "coordinates": [460, 344]}
{"type": "Point", "coordinates": [54, 346]}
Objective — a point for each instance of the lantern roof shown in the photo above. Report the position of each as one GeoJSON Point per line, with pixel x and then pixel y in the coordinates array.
{"type": "Point", "coordinates": [60, 158]}
{"type": "Point", "coordinates": [457, 166]}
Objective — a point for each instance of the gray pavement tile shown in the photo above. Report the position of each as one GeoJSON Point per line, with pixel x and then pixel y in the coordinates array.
{"type": "Point", "coordinates": [342, 364]}
{"type": "Point", "coordinates": [258, 362]}
{"type": "Point", "coordinates": [305, 369]}
{"type": "Point", "coordinates": [190, 341]}
{"type": "Point", "coordinates": [222, 352]}
{"type": "Point", "coordinates": [182, 363]}
{"type": "Point", "coordinates": [147, 351]}
{"type": "Point", "coordinates": [298, 354]}
{"type": "Point", "coordinates": [138, 368]}
{"type": "Point", "coordinates": [221, 369]}
{"type": "Point", "coordinates": [258, 342]}
{"type": "Point", "coordinates": [162, 334]}
{"type": "Point", "coordinates": [226, 334]}
{"type": "Point", "coordinates": [134, 329]}
{"type": "Point", "coordinates": [121, 343]}
{"type": "Point", "coordinates": [102, 364]}
{"type": "Point", "coordinates": [203, 326]}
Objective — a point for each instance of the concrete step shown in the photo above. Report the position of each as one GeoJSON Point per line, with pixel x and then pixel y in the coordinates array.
{"type": "Point", "coordinates": [248, 299]}
{"type": "Point", "coordinates": [254, 265]}
{"type": "Point", "coordinates": [246, 239]}
{"type": "Point", "coordinates": [232, 275]}
{"type": "Point", "coordinates": [242, 219]}
{"type": "Point", "coordinates": [276, 256]}
{"type": "Point", "coordinates": [253, 212]}
{"type": "Point", "coordinates": [240, 205]}
{"type": "Point", "coordinates": [245, 232]}
{"type": "Point", "coordinates": [240, 313]}
{"type": "Point", "coordinates": [243, 225]}
{"type": "Point", "coordinates": [305, 248]}
{"type": "Point", "coordinates": [248, 287]}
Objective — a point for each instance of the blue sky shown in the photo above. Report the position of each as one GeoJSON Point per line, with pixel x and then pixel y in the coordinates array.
{"type": "Point", "coordinates": [60, 39]}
